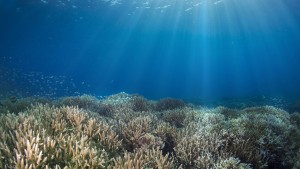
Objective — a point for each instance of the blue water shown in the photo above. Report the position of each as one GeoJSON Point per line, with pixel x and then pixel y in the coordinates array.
{"type": "Point", "coordinates": [193, 49]}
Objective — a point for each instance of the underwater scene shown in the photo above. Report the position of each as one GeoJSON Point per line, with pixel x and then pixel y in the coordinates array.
{"type": "Point", "coordinates": [149, 84]}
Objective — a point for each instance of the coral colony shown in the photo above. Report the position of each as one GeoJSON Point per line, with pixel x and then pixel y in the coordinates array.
{"type": "Point", "coordinates": [126, 131]}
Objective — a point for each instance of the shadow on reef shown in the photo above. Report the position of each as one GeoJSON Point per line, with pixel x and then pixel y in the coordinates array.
{"type": "Point", "coordinates": [295, 107]}
{"type": "Point", "coordinates": [128, 131]}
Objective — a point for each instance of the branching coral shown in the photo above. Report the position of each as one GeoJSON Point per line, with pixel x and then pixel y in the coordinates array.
{"type": "Point", "coordinates": [84, 102]}
{"type": "Point", "coordinates": [179, 118]}
{"type": "Point", "coordinates": [137, 133]}
{"type": "Point", "coordinates": [139, 103]}
{"type": "Point", "coordinates": [297, 161]}
{"type": "Point", "coordinates": [210, 150]}
{"type": "Point", "coordinates": [66, 137]}
{"type": "Point", "coordinates": [175, 117]}
{"type": "Point", "coordinates": [126, 131]}
{"type": "Point", "coordinates": [105, 110]}
{"type": "Point", "coordinates": [267, 129]}
{"type": "Point", "coordinates": [227, 112]}
{"type": "Point", "coordinates": [231, 163]}
{"type": "Point", "coordinates": [17, 105]}
{"type": "Point", "coordinates": [169, 135]}
{"type": "Point", "coordinates": [295, 119]}
{"type": "Point", "coordinates": [169, 104]}
{"type": "Point", "coordinates": [150, 158]}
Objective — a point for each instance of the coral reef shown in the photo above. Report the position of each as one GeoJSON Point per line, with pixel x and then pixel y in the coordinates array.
{"type": "Point", "coordinates": [139, 103]}
{"type": "Point", "coordinates": [148, 158]}
{"type": "Point", "coordinates": [86, 102]}
{"type": "Point", "coordinates": [47, 137]}
{"type": "Point", "coordinates": [295, 119]}
{"type": "Point", "coordinates": [169, 104]}
{"type": "Point", "coordinates": [17, 105]}
{"type": "Point", "coordinates": [125, 131]}
{"type": "Point", "coordinates": [295, 107]}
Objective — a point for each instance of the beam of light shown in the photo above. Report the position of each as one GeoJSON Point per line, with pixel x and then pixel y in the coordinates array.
{"type": "Point", "coordinates": [181, 47]}
{"type": "Point", "coordinates": [228, 43]}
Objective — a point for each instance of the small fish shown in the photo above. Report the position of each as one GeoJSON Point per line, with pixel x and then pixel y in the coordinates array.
{"type": "Point", "coordinates": [197, 4]}
{"type": "Point", "coordinates": [45, 2]}
{"type": "Point", "coordinates": [166, 6]}
{"type": "Point", "coordinates": [188, 9]}
{"type": "Point", "coordinates": [217, 2]}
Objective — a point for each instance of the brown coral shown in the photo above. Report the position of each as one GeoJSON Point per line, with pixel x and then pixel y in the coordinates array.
{"type": "Point", "coordinates": [127, 135]}
{"type": "Point", "coordinates": [137, 133]}
{"type": "Point", "coordinates": [139, 104]}
{"type": "Point", "coordinates": [149, 158]}
{"type": "Point", "coordinates": [55, 137]}
{"type": "Point", "coordinates": [169, 104]}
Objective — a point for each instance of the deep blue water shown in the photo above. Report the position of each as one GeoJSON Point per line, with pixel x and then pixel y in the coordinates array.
{"type": "Point", "coordinates": [193, 49]}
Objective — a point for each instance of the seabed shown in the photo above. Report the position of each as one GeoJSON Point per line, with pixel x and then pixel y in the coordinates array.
{"type": "Point", "coordinates": [126, 131]}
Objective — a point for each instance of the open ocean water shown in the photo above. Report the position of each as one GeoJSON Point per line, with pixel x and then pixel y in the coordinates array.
{"type": "Point", "coordinates": [204, 51]}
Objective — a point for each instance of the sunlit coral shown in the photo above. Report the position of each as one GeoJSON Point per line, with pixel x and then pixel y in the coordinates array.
{"type": "Point", "coordinates": [125, 131]}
